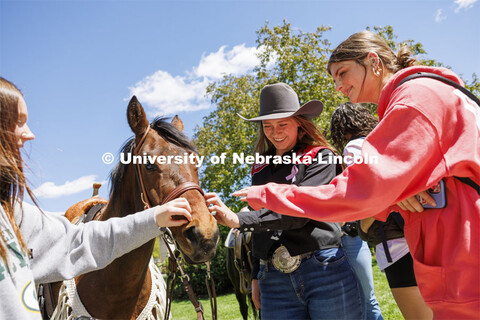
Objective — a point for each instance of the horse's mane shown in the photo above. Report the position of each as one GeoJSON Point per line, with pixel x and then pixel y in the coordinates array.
{"type": "Point", "coordinates": [166, 131]}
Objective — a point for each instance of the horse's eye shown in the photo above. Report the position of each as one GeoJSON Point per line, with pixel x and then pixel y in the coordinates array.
{"type": "Point", "coordinates": [150, 166]}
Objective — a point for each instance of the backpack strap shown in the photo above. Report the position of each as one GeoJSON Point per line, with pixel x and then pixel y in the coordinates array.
{"type": "Point", "coordinates": [397, 217]}
{"type": "Point", "coordinates": [381, 224]}
{"type": "Point", "coordinates": [465, 91]}
{"type": "Point", "coordinates": [442, 79]}
{"type": "Point", "coordinates": [470, 182]}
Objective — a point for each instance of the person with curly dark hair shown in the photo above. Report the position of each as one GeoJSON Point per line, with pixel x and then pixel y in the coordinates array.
{"type": "Point", "coordinates": [351, 123]}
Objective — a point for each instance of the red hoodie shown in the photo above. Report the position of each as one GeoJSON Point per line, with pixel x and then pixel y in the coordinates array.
{"type": "Point", "coordinates": [428, 130]}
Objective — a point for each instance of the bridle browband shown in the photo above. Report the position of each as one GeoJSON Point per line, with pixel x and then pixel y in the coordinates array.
{"type": "Point", "coordinates": [175, 193]}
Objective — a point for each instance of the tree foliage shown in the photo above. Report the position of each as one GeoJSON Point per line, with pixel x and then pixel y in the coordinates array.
{"type": "Point", "coordinates": [286, 55]}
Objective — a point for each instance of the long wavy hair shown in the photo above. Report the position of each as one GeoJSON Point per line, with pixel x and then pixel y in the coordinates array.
{"type": "Point", "coordinates": [12, 179]}
{"type": "Point", "coordinates": [308, 133]}
{"type": "Point", "coordinates": [350, 119]}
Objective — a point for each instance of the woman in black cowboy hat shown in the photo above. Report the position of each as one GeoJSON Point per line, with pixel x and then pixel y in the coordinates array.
{"type": "Point", "coordinates": [302, 271]}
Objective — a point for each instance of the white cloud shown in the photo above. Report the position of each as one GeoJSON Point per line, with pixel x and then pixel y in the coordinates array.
{"type": "Point", "coordinates": [166, 94]}
{"type": "Point", "coordinates": [439, 16]}
{"type": "Point", "coordinates": [51, 190]}
{"type": "Point", "coordinates": [236, 61]}
{"type": "Point", "coordinates": [464, 4]}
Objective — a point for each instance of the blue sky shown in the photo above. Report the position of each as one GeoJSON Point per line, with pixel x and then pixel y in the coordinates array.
{"type": "Point", "coordinates": [78, 63]}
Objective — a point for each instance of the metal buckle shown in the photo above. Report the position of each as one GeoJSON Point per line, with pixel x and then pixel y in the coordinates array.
{"type": "Point", "coordinates": [284, 262]}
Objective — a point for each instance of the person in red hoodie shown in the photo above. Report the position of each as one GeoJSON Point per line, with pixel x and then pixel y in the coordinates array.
{"type": "Point", "coordinates": [427, 131]}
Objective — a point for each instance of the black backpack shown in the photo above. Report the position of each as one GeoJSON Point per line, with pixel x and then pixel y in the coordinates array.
{"type": "Point", "coordinates": [465, 180]}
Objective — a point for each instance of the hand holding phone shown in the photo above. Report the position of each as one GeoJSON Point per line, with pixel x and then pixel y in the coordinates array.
{"type": "Point", "coordinates": [438, 193]}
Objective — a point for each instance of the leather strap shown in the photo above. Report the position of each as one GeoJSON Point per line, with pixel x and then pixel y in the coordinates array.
{"type": "Point", "coordinates": [212, 295]}
{"type": "Point", "coordinates": [173, 266]}
{"type": "Point", "coordinates": [143, 194]}
{"type": "Point", "coordinates": [182, 188]}
{"type": "Point", "coordinates": [174, 258]}
{"type": "Point", "coordinates": [242, 260]}
{"type": "Point", "coordinates": [46, 300]}
{"type": "Point", "coordinates": [237, 244]}
{"type": "Point", "coordinates": [93, 212]}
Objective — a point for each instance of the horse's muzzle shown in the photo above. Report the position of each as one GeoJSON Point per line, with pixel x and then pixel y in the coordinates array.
{"type": "Point", "coordinates": [204, 249]}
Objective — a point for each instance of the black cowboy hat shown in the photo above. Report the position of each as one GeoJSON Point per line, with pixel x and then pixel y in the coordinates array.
{"type": "Point", "coordinates": [280, 101]}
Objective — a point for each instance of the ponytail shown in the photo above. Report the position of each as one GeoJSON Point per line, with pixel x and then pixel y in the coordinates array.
{"type": "Point", "coordinates": [404, 57]}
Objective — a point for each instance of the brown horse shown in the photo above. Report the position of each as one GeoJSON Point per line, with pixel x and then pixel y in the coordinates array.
{"type": "Point", "coordinates": [122, 289]}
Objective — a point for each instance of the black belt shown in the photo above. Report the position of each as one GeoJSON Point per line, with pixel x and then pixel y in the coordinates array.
{"type": "Point", "coordinates": [302, 257]}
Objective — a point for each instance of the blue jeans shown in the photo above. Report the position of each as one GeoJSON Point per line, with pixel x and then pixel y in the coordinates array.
{"type": "Point", "coordinates": [360, 259]}
{"type": "Point", "coordinates": [323, 287]}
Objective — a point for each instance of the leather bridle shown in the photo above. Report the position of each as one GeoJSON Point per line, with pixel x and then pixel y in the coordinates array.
{"type": "Point", "coordinates": [175, 260]}
{"type": "Point", "coordinates": [175, 193]}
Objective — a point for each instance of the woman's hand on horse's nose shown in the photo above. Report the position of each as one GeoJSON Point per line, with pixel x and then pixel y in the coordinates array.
{"type": "Point", "coordinates": [173, 213]}
{"type": "Point", "coordinates": [221, 212]}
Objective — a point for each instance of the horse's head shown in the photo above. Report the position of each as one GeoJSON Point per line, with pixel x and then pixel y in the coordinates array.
{"type": "Point", "coordinates": [171, 163]}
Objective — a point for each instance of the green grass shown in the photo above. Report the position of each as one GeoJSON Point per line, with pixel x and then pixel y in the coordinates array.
{"type": "Point", "coordinates": [384, 296]}
{"type": "Point", "coordinates": [228, 307]}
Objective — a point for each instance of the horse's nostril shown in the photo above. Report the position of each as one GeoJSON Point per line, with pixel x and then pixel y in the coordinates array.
{"type": "Point", "coordinates": [192, 235]}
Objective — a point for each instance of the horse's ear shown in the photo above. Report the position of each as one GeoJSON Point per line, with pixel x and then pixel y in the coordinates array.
{"type": "Point", "coordinates": [177, 123]}
{"type": "Point", "coordinates": [136, 117]}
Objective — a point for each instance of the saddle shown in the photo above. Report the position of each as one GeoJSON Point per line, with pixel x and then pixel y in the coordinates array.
{"type": "Point", "coordinates": [88, 209]}
{"type": "Point", "coordinates": [242, 250]}
{"type": "Point", "coordinates": [81, 212]}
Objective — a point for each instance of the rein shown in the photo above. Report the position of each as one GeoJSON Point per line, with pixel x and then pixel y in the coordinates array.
{"type": "Point", "coordinates": [175, 260]}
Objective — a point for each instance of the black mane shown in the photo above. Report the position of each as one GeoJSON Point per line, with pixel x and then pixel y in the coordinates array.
{"type": "Point", "coordinates": [166, 131]}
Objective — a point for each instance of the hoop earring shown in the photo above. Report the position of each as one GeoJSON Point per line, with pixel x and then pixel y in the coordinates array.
{"type": "Point", "coordinates": [376, 72]}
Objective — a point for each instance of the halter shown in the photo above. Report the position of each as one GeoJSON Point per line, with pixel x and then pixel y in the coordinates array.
{"type": "Point", "coordinates": [175, 193]}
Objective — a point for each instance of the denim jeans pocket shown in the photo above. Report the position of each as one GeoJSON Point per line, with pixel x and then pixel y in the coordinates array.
{"type": "Point", "coordinates": [329, 257]}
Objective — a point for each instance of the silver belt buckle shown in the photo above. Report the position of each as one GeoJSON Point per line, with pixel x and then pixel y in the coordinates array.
{"type": "Point", "coordinates": [283, 261]}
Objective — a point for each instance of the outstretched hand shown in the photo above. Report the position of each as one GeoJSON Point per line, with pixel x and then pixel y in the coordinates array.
{"type": "Point", "coordinates": [221, 212]}
{"type": "Point", "coordinates": [413, 205]}
{"type": "Point", "coordinates": [178, 208]}
{"type": "Point", "coordinates": [242, 194]}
